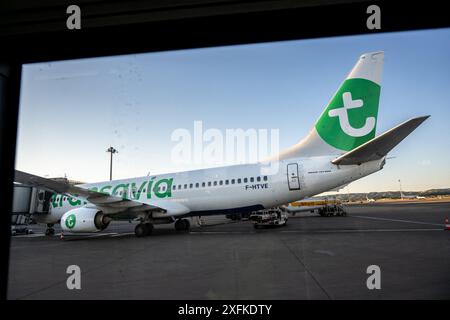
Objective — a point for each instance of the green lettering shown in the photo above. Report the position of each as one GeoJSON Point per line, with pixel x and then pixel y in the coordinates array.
{"type": "Point", "coordinates": [73, 201]}
{"type": "Point", "coordinates": [125, 190]}
{"type": "Point", "coordinates": [139, 191]}
{"type": "Point", "coordinates": [167, 192]}
{"type": "Point", "coordinates": [103, 189]}
{"type": "Point", "coordinates": [149, 189]}
{"type": "Point", "coordinates": [54, 202]}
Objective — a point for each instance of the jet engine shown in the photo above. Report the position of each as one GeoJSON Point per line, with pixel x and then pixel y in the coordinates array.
{"type": "Point", "coordinates": [84, 220]}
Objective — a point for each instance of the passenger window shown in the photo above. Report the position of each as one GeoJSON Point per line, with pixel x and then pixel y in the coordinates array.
{"type": "Point", "coordinates": [190, 186]}
{"type": "Point", "coordinates": [258, 179]}
{"type": "Point", "coordinates": [252, 179]}
{"type": "Point", "coordinates": [203, 184]}
{"type": "Point", "coordinates": [197, 185]}
{"type": "Point", "coordinates": [245, 180]}
{"type": "Point", "coordinates": [232, 181]}
{"type": "Point", "coordinates": [209, 183]}
{"type": "Point", "coordinates": [220, 182]}
{"type": "Point", "coordinates": [226, 181]}
{"type": "Point", "coordinates": [185, 186]}
{"type": "Point", "coordinates": [239, 180]}
{"type": "Point", "coordinates": [215, 183]}
{"type": "Point", "coordinates": [265, 178]}
{"type": "Point", "coordinates": [174, 187]}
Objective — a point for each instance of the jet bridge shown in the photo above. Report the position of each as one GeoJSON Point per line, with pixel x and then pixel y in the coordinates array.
{"type": "Point", "coordinates": [27, 201]}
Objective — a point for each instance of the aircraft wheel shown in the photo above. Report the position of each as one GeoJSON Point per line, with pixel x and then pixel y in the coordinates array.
{"type": "Point", "coordinates": [49, 232]}
{"type": "Point", "coordinates": [178, 225]}
{"type": "Point", "coordinates": [141, 230]}
{"type": "Point", "coordinates": [149, 228]}
{"type": "Point", "coordinates": [182, 225]}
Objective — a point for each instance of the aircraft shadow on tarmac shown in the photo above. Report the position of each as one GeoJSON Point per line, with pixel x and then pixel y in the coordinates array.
{"type": "Point", "coordinates": [219, 228]}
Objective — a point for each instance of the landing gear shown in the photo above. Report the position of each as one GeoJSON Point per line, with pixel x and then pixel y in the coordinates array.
{"type": "Point", "coordinates": [182, 225]}
{"type": "Point", "coordinates": [143, 229]}
{"type": "Point", "coordinates": [50, 231]}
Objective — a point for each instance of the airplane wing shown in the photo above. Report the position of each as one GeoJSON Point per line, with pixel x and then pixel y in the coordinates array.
{"type": "Point", "coordinates": [108, 203]}
{"type": "Point", "coordinates": [339, 187]}
{"type": "Point", "coordinates": [378, 147]}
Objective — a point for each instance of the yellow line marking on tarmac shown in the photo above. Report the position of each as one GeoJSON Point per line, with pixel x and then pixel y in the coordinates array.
{"type": "Point", "coordinates": [397, 220]}
{"type": "Point", "coordinates": [360, 230]}
{"type": "Point", "coordinates": [33, 235]}
{"type": "Point", "coordinates": [122, 234]}
{"type": "Point", "coordinates": [321, 231]}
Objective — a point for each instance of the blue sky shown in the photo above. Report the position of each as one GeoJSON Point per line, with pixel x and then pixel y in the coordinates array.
{"type": "Point", "coordinates": [71, 111]}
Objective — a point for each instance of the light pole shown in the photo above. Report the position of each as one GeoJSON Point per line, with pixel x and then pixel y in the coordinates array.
{"type": "Point", "coordinates": [401, 193]}
{"type": "Point", "coordinates": [112, 151]}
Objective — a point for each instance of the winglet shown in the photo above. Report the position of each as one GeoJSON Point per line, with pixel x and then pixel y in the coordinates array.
{"type": "Point", "coordinates": [378, 147]}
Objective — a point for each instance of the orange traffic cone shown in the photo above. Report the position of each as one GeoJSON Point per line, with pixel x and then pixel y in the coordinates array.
{"type": "Point", "coordinates": [447, 225]}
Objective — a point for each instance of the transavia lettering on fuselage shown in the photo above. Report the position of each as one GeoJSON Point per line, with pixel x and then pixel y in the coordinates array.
{"type": "Point", "coordinates": [161, 188]}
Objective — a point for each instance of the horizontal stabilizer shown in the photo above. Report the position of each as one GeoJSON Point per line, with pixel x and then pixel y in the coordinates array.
{"type": "Point", "coordinates": [378, 147]}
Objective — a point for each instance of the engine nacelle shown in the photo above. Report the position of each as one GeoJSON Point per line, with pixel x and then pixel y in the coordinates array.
{"type": "Point", "coordinates": [84, 220]}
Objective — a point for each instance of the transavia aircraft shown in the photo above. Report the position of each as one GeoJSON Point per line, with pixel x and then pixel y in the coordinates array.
{"type": "Point", "coordinates": [340, 148]}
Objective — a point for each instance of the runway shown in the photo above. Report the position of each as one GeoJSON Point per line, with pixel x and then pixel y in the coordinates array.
{"type": "Point", "coordinates": [312, 257]}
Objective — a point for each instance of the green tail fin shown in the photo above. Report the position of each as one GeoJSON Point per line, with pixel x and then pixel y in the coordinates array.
{"type": "Point", "coordinates": [350, 118]}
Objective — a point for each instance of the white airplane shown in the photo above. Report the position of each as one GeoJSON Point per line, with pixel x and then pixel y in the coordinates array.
{"type": "Point", "coordinates": [340, 148]}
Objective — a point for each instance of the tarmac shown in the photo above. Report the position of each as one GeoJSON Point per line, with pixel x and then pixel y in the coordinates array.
{"type": "Point", "coordinates": [312, 257]}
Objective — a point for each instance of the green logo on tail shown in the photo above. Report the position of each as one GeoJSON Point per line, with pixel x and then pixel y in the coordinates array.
{"type": "Point", "coordinates": [351, 116]}
{"type": "Point", "coordinates": [70, 221]}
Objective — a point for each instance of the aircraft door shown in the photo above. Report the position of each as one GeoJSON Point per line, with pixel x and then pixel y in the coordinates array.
{"type": "Point", "coordinates": [293, 176]}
